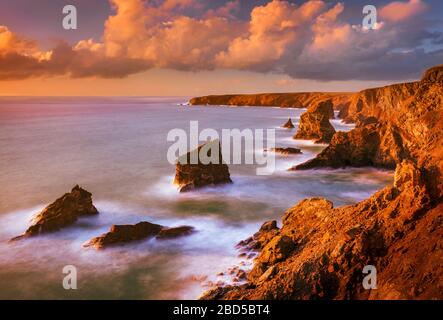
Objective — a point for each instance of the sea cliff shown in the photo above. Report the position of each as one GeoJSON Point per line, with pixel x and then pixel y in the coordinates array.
{"type": "Point", "coordinates": [320, 251]}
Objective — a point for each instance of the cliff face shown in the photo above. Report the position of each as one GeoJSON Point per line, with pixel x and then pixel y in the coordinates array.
{"type": "Point", "coordinates": [325, 249]}
{"type": "Point", "coordinates": [398, 230]}
{"type": "Point", "coordinates": [394, 123]}
{"type": "Point", "coordinates": [286, 100]}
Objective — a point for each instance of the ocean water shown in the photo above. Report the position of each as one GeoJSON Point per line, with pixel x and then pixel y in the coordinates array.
{"type": "Point", "coordinates": [116, 148]}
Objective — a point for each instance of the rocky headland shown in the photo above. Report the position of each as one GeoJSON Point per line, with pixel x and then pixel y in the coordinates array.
{"type": "Point", "coordinates": [320, 251]}
{"type": "Point", "coordinates": [284, 100]}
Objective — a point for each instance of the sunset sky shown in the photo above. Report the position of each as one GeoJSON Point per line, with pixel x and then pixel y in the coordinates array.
{"type": "Point", "coordinates": [197, 47]}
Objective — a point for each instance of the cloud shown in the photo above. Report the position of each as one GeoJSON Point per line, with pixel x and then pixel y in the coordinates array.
{"type": "Point", "coordinates": [274, 30]}
{"type": "Point", "coordinates": [307, 41]}
{"type": "Point", "coordinates": [398, 11]}
{"type": "Point", "coordinates": [21, 58]}
{"type": "Point", "coordinates": [165, 37]}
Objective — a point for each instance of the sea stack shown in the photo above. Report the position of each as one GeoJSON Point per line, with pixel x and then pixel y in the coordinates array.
{"type": "Point", "coordinates": [288, 124]}
{"type": "Point", "coordinates": [191, 173]}
{"type": "Point", "coordinates": [315, 125]}
{"type": "Point", "coordinates": [62, 212]}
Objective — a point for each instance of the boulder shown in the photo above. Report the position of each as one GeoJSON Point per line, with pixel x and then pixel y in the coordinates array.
{"type": "Point", "coordinates": [288, 124]}
{"type": "Point", "coordinates": [315, 125]}
{"type": "Point", "coordinates": [191, 173]}
{"type": "Point", "coordinates": [62, 212]}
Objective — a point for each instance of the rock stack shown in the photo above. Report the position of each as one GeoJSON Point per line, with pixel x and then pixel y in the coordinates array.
{"type": "Point", "coordinates": [288, 124]}
{"type": "Point", "coordinates": [315, 125]}
{"type": "Point", "coordinates": [62, 212]}
{"type": "Point", "coordinates": [191, 173]}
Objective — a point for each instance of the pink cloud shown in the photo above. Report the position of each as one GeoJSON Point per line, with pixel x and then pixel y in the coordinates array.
{"type": "Point", "coordinates": [309, 41]}
{"type": "Point", "coordinates": [401, 11]}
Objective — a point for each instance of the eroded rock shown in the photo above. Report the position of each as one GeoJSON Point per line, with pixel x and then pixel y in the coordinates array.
{"type": "Point", "coordinates": [62, 212]}
{"type": "Point", "coordinates": [320, 251]}
{"type": "Point", "coordinates": [378, 145]}
{"type": "Point", "coordinates": [315, 125]}
{"type": "Point", "coordinates": [121, 234]}
{"type": "Point", "coordinates": [288, 124]}
{"type": "Point", "coordinates": [191, 173]}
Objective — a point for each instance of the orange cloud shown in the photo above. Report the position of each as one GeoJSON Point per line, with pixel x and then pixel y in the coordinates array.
{"type": "Point", "coordinates": [401, 11]}
{"type": "Point", "coordinates": [10, 43]}
{"type": "Point", "coordinates": [274, 29]}
{"type": "Point", "coordinates": [309, 41]}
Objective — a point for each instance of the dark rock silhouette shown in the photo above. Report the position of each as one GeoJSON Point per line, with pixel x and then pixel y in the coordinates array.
{"type": "Point", "coordinates": [288, 124]}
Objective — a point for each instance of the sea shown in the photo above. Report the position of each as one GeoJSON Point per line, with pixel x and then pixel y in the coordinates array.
{"type": "Point", "coordinates": [116, 148]}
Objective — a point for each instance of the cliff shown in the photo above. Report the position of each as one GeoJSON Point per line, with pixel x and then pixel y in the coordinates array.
{"type": "Point", "coordinates": [320, 251]}
{"type": "Point", "coordinates": [285, 100]}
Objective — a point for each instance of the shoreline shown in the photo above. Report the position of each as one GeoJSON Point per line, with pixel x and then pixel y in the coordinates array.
{"type": "Point", "coordinates": [304, 260]}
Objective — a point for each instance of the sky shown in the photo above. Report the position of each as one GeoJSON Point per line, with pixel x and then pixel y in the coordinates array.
{"type": "Point", "coordinates": [199, 47]}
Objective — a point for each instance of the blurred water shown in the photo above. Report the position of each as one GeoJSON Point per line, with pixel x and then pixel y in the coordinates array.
{"type": "Point", "coordinates": [116, 148]}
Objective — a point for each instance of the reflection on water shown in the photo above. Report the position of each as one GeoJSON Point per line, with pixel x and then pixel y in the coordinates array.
{"type": "Point", "coordinates": [116, 148]}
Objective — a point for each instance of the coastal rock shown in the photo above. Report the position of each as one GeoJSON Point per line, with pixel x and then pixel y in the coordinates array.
{"type": "Point", "coordinates": [288, 124]}
{"type": "Point", "coordinates": [286, 151]}
{"type": "Point", "coordinates": [278, 249]}
{"type": "Point", "coordinates": [121, 234]}
{"type": "Point", "coordinates": [325, 107]}
{"type": "Point", "coordinates": [172, 233]}
{"type": "Point", "coordinates": [326, 248]}
{"type": "Point", "coordinates": [191, 173]}
{"type": "Point", "coordinates": [62, 212]}
{"type": "Point", "coordinates": [378, 145]}
{"type": "Point", "coordinates": [315, 125]}
{"type": "Point", "coordinates": [261, 238]}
